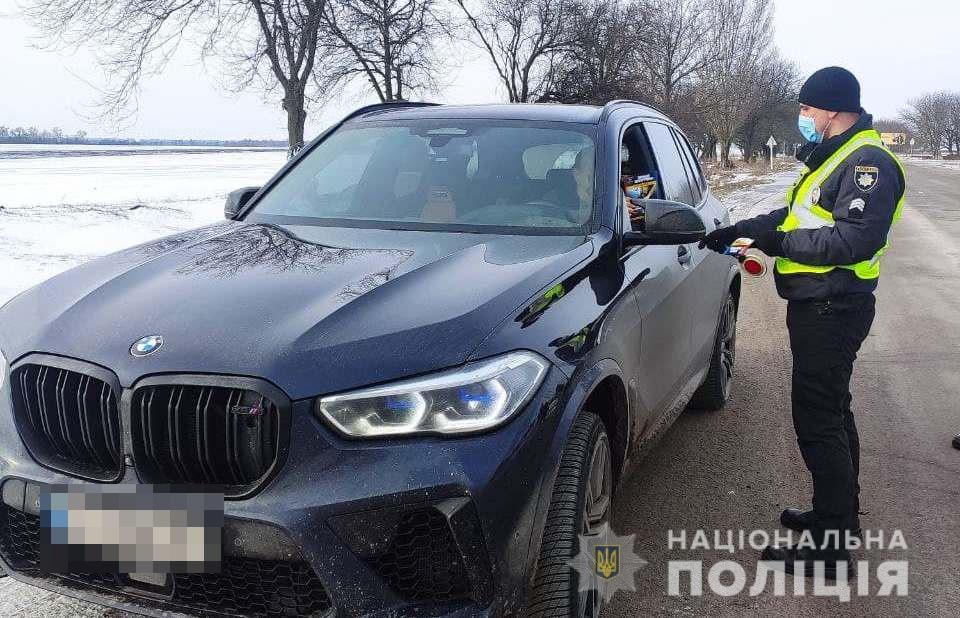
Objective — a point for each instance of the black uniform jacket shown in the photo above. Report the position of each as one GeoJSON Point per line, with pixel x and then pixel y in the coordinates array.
{"type": "Point", "coordinates": [862, 208]}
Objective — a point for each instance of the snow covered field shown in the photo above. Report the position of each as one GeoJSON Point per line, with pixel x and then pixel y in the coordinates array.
{"type": "Point", "coordinates": [59, 208]}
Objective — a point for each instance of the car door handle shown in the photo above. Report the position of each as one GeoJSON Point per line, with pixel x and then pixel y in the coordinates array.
{"type": "Point", "coordinates": [683, 255]}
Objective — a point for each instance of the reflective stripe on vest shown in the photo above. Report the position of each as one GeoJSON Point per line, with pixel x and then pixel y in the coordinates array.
{"type": "Point", "coordinates": [806, 213]}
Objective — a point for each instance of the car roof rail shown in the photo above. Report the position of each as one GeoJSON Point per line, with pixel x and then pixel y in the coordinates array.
{"type": "Point", "coordinates": [386, 105]}
{"type": "Point", "coordinates": [611, 106]}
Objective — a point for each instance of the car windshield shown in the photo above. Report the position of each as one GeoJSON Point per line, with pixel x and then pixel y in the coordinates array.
{"type": "Point", "coordinates": [459, 175]}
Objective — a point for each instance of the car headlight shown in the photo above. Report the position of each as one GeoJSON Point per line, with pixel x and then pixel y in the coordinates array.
{"type": "Point", "coordinates": [474, 397]}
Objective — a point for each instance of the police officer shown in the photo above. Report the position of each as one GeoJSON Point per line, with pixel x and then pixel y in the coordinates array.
{"type": "Point", "coordinates": [828, 242]}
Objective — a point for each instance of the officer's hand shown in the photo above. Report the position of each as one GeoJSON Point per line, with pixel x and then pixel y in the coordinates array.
{"type": "Point", "coordinates": [719, 239]}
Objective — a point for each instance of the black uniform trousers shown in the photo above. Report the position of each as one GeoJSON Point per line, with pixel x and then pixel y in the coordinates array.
{"type": "Point", "coordinates": [824, 338]}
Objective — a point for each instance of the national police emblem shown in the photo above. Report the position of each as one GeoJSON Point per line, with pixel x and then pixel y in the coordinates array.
{"type": "Point", "coordinates": [606, 562]}
{"type": "Point", "coordinates": [866, 176]}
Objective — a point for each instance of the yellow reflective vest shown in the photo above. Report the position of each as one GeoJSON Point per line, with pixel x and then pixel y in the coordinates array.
{"type": "Point", "coordinates": [805, 211]}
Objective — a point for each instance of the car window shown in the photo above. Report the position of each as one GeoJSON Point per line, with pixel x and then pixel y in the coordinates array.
{"type": "Point", "coordinates": [688, 167]}
{"type": "Point", "coordinates": [673, 174]}
{"type": "Point", "coordinates": [695, 169]}
{"type": "Point", "coordinates": [639, 176]}
{"type": "Point", "coordinates": [447, 174]}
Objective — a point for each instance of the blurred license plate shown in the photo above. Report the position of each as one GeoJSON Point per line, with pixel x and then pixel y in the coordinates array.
{"type": "Point", "coordinates": [136, 529]}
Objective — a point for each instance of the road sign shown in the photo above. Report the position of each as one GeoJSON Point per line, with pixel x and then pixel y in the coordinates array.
{"type": "Point", "coordinates": [893, 139]}
{"type": "Point", "coordinates": [770, 144]}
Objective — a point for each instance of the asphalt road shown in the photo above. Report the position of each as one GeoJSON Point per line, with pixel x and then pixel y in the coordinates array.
{"type": "Point", "coordinates": [736, 469]}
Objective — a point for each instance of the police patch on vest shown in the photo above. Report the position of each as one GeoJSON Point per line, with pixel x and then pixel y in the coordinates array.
{"type": "Point", "coordinates": [866, 177]}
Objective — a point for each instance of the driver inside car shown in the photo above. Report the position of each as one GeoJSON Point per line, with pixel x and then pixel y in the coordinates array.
{"type": "Point", "coordinates": [635, 186]}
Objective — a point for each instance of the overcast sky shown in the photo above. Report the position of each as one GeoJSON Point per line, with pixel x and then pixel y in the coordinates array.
{"type": "Point", "coordinates": [896, 49]}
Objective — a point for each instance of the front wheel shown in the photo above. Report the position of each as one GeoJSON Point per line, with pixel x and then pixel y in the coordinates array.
{"type": "Point", "coordinates": [580, 505]}
{"type": "Point", "coordinates": [715, 390]}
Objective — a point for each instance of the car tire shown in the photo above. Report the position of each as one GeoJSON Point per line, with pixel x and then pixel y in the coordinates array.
{"type": "Point", "coordinates": [580, 503]}
{"type": "Point", "coordinates": [715, 390]}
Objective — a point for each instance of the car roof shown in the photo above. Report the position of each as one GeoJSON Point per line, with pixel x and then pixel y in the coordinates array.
{"type": "Point", "coordinates": [590, 114]}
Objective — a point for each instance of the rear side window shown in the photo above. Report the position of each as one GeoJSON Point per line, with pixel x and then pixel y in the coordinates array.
{"type": "Point", "coordinates": [673, 173]}
{"type": "Point", "coordinates": [696, 173]}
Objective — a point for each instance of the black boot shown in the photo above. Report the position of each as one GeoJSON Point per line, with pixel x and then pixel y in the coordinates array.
{"type": "Point", "coordinates": [832, 559]}
{"type": "Point", "coordinates": [956, 441]}
{"type": "Point", "coordinates": [795, 519]}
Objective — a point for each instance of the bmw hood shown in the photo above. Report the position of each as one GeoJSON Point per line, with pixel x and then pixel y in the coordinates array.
{"type": "Point", "coordinates": [312, 309]}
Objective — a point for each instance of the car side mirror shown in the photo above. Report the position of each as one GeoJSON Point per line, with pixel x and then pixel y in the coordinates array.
{"type": "Point", "coordinates": [236, 200]}
{"type": "Point", "coordinates": [666, 223]}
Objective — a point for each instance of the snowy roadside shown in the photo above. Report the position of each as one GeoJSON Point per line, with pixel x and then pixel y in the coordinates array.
{"type": "Point", "coordinates": [946, 164]}
{"type": "Point", "coordinates": [745, 176]}
{"type": "Point", "coordinates": [57, 212]}
{"type": "Point", "coordinates": [763, 194]}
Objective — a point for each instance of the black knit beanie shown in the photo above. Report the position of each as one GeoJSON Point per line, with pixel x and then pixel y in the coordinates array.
{"type": "Point", "coordinates": [834, 89]}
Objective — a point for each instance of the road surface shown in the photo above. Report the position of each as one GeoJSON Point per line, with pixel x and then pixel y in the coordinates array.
{"type": "Point", "coordinates": [738, 468]}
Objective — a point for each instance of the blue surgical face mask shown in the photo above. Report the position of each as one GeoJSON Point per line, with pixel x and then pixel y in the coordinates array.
{"type": "Point", "coordinates": [808, 129]}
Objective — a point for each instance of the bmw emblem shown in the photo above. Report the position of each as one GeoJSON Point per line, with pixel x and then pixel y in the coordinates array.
{"type": "Point", "coordinates": [147, 345]}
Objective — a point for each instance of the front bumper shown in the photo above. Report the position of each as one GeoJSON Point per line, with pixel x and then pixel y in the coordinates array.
{"type": "Point", "coordinates": [424, 526]}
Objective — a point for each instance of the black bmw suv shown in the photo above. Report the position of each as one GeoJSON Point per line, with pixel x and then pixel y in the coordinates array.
{"type": "Point", "coordinates": [415, 363]}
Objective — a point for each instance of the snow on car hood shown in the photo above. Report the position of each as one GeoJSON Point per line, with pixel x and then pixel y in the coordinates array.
{"type": "Point", "coordinates": [313, 309]}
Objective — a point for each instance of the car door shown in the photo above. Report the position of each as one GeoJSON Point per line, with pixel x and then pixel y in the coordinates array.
{"type": "Point", "coordinates": [657, 274]}
{"type": "Point", "coordinates": [676, 186]}
{"type": "Point", "coordinates": [708, 272]}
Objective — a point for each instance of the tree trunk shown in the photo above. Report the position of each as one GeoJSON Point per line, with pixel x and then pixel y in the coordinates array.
{"type": "Point", "coordinates": [710, 148]}
{"type": "Point", "coordinates": [293, 103]}
{"type": "Point", "coordinates": [725, 162]}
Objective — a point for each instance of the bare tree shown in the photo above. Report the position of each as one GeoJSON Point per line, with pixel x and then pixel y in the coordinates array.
{"type": "Point", "coordinates": [601, 62]}
{"type": "Point", "coordinates": [522, 39]}
{"type": "Point", "coordinates": [774, 109]}
{"type": "Point", "coordinates": [388, 43]}
{"type": "Point", "coordinates": [930, 116]}
{"type": "Point", "coordinates": [272, 43]}
{"type": "Point", "coordinates": [729, 85]}
{"type": "Point", "coordinates": [953, 132]}
{"type": "Point", "coordinates": [673, 44]}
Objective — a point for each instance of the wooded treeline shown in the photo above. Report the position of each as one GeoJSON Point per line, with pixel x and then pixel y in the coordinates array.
{"type": "Point", "coordinates": [933, 120]}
